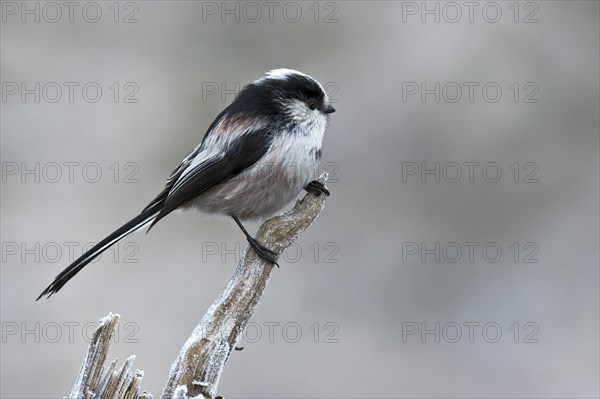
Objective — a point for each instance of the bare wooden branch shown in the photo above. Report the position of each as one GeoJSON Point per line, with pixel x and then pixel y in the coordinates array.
{"type": "Point", "coordinates": [92, 383]}
{"type": "Point", "coordinates": [197, 369]}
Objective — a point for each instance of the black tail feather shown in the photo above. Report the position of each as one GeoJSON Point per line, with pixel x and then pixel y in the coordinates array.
{"type": "Point", "coordinates": [133, 225]}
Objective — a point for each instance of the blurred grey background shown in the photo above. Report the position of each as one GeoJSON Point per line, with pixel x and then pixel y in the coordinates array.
{"type": "Point", "coordinates": [385, 304]}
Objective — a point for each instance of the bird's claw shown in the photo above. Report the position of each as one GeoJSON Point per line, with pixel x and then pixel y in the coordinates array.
{"type": "Point", "coordinates": [263, 252]}
{"type": "Point", "coordinates": [317, 188]}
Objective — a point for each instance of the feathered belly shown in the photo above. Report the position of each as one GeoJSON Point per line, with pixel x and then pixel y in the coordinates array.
{"type": "Point", "coordinates": [264, 189]}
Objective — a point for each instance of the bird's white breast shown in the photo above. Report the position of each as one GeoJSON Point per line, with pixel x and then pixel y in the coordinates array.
{"type": "Point", "coordinates": [291, 162]}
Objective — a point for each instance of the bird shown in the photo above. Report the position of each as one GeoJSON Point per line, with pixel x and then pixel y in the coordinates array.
{"type": "Point", "coordinates": [256, 156]}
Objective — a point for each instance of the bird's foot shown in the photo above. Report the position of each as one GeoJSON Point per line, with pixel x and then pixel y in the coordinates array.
{"type": "Point", "coordinates": [263, 252]}
{"type": "Point", "coordinates": [317, 188]}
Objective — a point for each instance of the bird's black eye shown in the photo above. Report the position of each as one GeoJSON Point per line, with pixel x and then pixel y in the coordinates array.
{"type": "Point", "coordinates": [312, 104]}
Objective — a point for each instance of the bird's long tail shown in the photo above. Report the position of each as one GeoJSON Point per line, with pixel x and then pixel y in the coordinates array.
{"type": "Point", "coordinates": [133, 225]}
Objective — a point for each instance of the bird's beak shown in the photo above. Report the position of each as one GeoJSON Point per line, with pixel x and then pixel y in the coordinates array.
{"type": "Point", "coordinates": [328, 109]}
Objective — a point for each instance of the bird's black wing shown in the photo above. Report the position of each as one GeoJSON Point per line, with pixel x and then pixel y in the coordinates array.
{"type": "Point", "coordinates": [208, 169]}
{"type": "Point", "coordinates": [196, 174]}
{"type": "Point", "coordinates": [160, 198]}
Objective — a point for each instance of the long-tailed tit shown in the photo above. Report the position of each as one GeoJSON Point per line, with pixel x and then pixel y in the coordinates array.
{"type": "Point", "coordinates": [256, 157]}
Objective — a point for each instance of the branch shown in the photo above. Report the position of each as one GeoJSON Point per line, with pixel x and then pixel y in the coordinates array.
{"type": "Point", "coordinates": [197, 369]}
{"type": "Point", "coordinates": [92, 383]}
